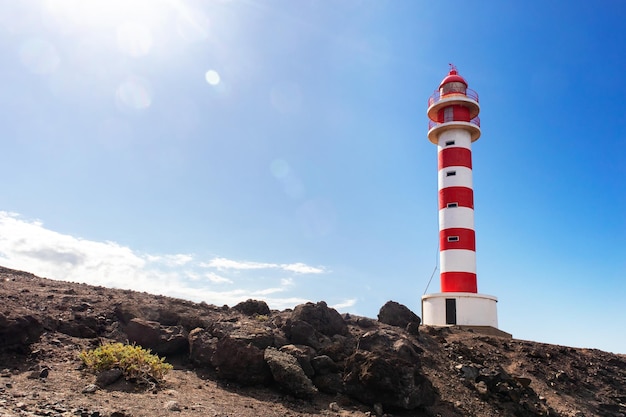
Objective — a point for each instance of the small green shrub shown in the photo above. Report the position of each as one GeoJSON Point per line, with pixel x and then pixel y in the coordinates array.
{"type": "Point", "coordinates": [262, 317]}
{"type": "Point", "coordinates": [135, 362]}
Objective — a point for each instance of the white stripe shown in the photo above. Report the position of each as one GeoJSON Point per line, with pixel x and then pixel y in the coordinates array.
{"type": "Point", "coordinates": [462, 177]}
{"type": "Point", "coordinates": [461, 138]}
{"type": "Point", "coordinates": [456, 217]}
{"type": "Point", "coordinates": [457, 260]}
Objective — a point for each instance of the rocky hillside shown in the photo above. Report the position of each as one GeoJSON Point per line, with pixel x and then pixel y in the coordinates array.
{"type": "Point", "coordinates": [249, 361]}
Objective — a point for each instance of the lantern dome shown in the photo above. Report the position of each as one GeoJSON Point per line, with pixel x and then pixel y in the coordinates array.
{"type": "Point", "coordinates": [453, 77]}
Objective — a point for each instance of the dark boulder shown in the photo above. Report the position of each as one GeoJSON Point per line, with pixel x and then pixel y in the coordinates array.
{"type": "Point", "coordinates": [386, 341]}
{"type": "Point", "coordinates": [365, 323]}
{"type": "Point", "coordinates": [253, 307]}
{"type": "Point", "coordinates": [247, 331]}
{"type": "Point", "coordinates": [328, 376]}
{"type": "Point", "coordinates": [108, 376]}
{"type": "Point", "coordinates": [239, 361]}
{"type": "Point", "coordinates": [329, 383]}
{"type": "Point", "coordinates": [19, 332]}
{"type": "Point", "coordinates": [394, 382]}
{"type": "Point", "coordinates": [80, 326]}
{"type": "Point", "coordinates": [303, 355]}
{"type": "Point", "coordinates": [288, 373]}
{"type": "Point", "coordinates": [202, 346]}
{"type": "Point", "coordinates": [163, 340]}
{"type": "Point", "coordinates": [385, 369]}
{"type": "Point", "coordinates": [324, 365]}
{"type": "Point", "coordinates": [338, 347]}
{"type": "Point", "coordinates": [398, 315]}
{"type": "Point", "coordinates": [302, 333]}
{"type": "Point", "coordinates": [125, 312]}
{"type": "Point", "coordinates": [322, 318]}
{"type": "Point", "coordinates": [258, 336]}
{"type": "Point", "coordinates": [167, 314]}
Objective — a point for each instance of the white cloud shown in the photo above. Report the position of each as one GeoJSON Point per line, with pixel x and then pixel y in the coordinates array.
{"type": "Point", "coordinates": [27, 245]}
{"type": "Point", "coordinates": [213, 277]}
{"type": "Point", "coordinates": [345, 304]}
{"type": "Point", "coordinates": [223, 263]}
{"type": "Point", "coordinates": [171, 260]}
{"type": "Point", "coordinates": [301, 268]}
{"type": "Point", "coordinates": [268, 291]}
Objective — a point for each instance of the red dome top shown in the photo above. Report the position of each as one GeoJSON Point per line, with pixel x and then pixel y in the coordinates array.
{"type": "Point", "coordinates": [453, 77]}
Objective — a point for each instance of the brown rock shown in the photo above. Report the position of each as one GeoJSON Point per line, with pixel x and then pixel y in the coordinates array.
{"type": "Point", "coordinates": [288, 373]}
{"type": "Point", "coordinates": [19, 331]}
{"type": "Point", "coordinates": [105, 378]}
{"type": "Point", "coordinates": [385, 369]}
{"type": "Point", "coordinates": [302, 333]}
{"type": "Point", "coordinates": [242, 362]}
{"type": "Point", "coordinates": [303, 355]}
{"type": "Point", "coordinates": [252, 307]}
{"type": "Point", "coordinates": [396, 314]}
{"type": "Point", "coordinates": [163, 340]}
{"type": "Point", "coordinates": [322, 318]}
{"type": "Point", "coordinates": [202, 346]}
{"type": "Point", "coordinates": [394, 382]}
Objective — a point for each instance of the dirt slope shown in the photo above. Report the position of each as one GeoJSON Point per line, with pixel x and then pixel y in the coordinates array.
{"type": "Point", "coordinates": [45, 324]}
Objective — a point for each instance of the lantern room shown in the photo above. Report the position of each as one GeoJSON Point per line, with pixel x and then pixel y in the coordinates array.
{"type": "Point", "coordinates": [453, 105]}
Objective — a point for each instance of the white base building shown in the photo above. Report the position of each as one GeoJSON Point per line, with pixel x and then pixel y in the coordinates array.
{"type": "Point", "coordinates": [459, 308]}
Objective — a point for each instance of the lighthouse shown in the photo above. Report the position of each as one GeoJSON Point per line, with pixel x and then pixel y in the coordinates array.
{"type": "Point", "coordinates": [454, 126]}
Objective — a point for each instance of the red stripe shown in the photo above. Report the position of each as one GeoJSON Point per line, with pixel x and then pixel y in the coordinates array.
{"type": "Point", "coordinates": [458, 282]}
{"type": "Point", "coordinates": [463, 196]}
{"type": "Point", "coordinates": [459, 112]}
{"type": "Point", "coordinates": [455, 157]}
{"type": "Point", "coordinates": [467, 239]}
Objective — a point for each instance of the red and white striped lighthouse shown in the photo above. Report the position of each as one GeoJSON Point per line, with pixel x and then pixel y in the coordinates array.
{"type": "Point", "coordinates": [453, 126]}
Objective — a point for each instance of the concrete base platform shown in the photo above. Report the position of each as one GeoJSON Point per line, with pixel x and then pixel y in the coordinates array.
{"type": "Point", "coordinates": [488, 330]}
{"type": "Point", "coordinates": [460, 309]}
{"type": "Point", "coordinates": [484, 330]}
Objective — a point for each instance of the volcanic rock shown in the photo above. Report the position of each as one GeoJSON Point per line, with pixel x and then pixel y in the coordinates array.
{"type": "Point", "coordinates": [288, 373]}
{"type": "Point", "coordinates": [399, 315]}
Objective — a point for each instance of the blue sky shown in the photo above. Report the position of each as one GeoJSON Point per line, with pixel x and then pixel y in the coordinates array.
{"type": "Point", "coordinates": [224, 150]}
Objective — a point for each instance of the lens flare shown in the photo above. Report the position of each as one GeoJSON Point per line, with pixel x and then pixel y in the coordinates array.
{"type": "Point", "coordinates": [212, 77]}
{"type": "Point", "coordinates": [134, 94]}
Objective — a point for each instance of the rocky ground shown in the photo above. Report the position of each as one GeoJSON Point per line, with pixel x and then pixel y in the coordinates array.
{"type": "Point", "coordinates": [310, 361]}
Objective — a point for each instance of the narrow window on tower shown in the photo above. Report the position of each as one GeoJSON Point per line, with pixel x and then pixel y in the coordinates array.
{"type": "Point", "coordinates": [452, 205]}
{"type": "Point", "coordinates": [450, 173]}
{"type": "Point", "coordinates": [453, 238]}
{"type": "Point", "coordinates": [449, 143]}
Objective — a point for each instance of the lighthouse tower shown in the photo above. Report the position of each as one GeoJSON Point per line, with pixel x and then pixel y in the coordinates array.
{"type": "Point", "coordinates": [453, 126]}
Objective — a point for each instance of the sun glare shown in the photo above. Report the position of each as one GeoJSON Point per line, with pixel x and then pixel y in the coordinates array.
{"type": "Point", "coordinates": [104, 13]}
{"type": "Point", "coordinates": [135, 24]}
{"type": "Point", "coordinates": [134, 38]}
{"type": "Point", "coordinates": [95, 32]}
